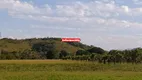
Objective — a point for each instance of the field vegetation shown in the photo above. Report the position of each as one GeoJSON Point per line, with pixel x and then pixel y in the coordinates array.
{"type": "Point", "coordinates": [67, 70]}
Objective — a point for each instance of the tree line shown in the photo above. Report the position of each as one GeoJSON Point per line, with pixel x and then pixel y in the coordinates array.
{"type": "Point", "coordinates": [115, 56]}
{"type": "Point", "coordinates": [112, 56]}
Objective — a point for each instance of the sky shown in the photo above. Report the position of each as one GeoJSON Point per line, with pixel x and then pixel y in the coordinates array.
{"type": "Point", "coordinates": [110, 24]}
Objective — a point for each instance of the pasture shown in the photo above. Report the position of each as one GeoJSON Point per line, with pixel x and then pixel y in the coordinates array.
{"type": "Point", "coordinates": [67, 70]}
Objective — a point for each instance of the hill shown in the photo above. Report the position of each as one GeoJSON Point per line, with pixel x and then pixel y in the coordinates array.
{"type": "Point", "coordinates": [12, 45]}
{"type": "Point", "coordinates": [44, 48]}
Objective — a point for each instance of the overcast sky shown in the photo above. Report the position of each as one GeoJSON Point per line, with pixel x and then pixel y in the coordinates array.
{"type": "Point", "coordinates": [110, 24]}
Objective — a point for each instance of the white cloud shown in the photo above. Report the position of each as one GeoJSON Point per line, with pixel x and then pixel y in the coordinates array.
{"type": "Point", "coordinates": [103, 9]}
{"type": "Point", "coordinates": [126, 8]}
{"type": "Point", "coordinates": [16, 7]}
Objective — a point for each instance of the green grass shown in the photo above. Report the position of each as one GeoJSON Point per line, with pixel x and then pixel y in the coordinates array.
{"type": "Point", "coordinates": [43, 75]}
{"type": "Point", "coordinates": [67, 70]}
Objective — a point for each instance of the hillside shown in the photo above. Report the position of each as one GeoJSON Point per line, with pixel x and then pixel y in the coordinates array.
{"type": "Point", "coordinates": [12, 45]}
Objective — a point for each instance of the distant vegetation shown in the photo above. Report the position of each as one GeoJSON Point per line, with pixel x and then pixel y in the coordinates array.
{"type": "Point", "coordinates": [53, 48]}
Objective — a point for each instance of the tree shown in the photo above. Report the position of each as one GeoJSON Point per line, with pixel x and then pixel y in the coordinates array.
{"type": "Point", "coordinates": [43, 46]}
{"type": "Point", "coordinates": [6, 55]}
{"type": "Point", "coordinates": [52, 54]}
{"type": "Point", "coordinates": [98, 57]}
{"type": "Point", "coordinates": [28, 54]}
{"type": "Point", "coordinates": [96, 50]}
{"type": "Point", "coordinates": [63, 54]}
{"type": "Point", "coordinates": [127, 56]}
{"type": "Point", "coordinates": [82, 52]}
{"type": "Point", "coordinates": [135, 55]}
{"type": "Point", "coordinates": [92, 57]}
{"type": "Point", "coordinates": [116, 56]}
{"type": "Point", "coordinates": [104, 58]}
{"type": "Point", "coordinates": [46, 49]}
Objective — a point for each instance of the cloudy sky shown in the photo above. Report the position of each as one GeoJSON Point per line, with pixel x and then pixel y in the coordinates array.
{"type": "Point", "coordinates": [110, 24]}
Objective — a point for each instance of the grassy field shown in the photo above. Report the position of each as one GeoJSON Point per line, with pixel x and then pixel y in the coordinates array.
{"type": "Point", "coordinates": [67, 70]}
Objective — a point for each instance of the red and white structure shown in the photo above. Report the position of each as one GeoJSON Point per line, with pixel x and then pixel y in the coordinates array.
{"type": "Point", "coordinates": [71, 39]}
